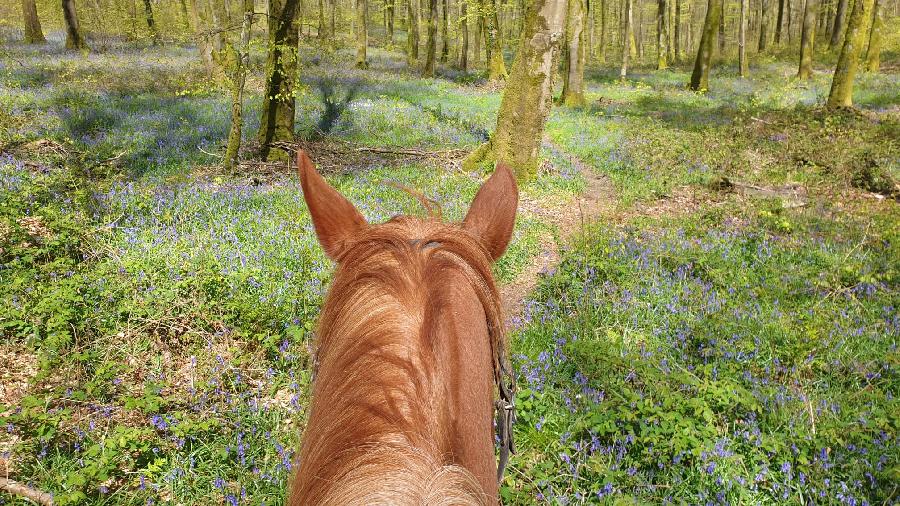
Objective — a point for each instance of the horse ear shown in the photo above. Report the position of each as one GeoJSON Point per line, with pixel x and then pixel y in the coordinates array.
{"type": "Point", "coordinates": [335, 219]}
{"type": "Point", "coordinates": [493, 212]}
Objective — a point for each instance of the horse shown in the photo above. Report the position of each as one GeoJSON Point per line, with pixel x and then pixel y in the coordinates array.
{"type": "Point", "coordinates": [410, 346]}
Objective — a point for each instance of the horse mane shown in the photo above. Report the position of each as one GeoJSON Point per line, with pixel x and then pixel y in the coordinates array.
{"type": "Point", "coordinates": [385, 294]}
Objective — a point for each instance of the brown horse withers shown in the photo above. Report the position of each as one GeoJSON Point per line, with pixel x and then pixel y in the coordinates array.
{"type": "Point", "coordinates": [410, 349]}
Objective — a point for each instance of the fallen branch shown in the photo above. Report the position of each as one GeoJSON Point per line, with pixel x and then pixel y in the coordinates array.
{"type": "Point", "coordinates": [413, 152]}
{"type": "Point", "coordinates": [33, 495]}
{"type": "Point", "coordinates": [208, 153]}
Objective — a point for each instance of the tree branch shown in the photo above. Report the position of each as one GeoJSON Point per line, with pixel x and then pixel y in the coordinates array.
{"type": "Point", "coordinates": [33, 495]}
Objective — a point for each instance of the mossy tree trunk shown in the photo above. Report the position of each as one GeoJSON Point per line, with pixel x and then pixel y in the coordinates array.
{"type": "Point", "coordinates": [838, 27]}
{"type": "Point", "coordinates": [677, 37]}
{"type": "Point", "coordinates": [662, 36]}
{"type": "Point", "coordinates": [742, 40]}
{"type": "Point", "coordinates": [464, 36]}
{"type": "Point", "coordinates": [412, 33]}
{"type": "Point", "coordinates": [430, 41]}
{"type": "Point", "coordinates": [841, 94]}
{"type": "Point", "coordinates": [763, 27]}
{"type": "Point", "coordinates": [362, 33]}
{"type": "Point", "coordinates": [873, 52]}
{"type": "Point", "coordinates": [33, 32]}
{"type": "Point", "coordinates": [496, 64]}
{"type": "Point", "coordinates": [203, 42]}
{"type": "Point", "coordinates": [722, 31]}
{"type": "Point", "coordinates": [528, 94]}
{"type": "Point", "coordinates": [601, 51]}
{"type": "Point", "coordinates": [573, 55]}
{"type": "Point", "coordinates": [445, 21]}
{"type": "Point", "coordinates": [74, 38]}
{"type": "Point", "coordinates": [479, 34]}
{"type": "Point", "coordinates": [389, 14]}
{"type": "Point", "coordinates": [779, 22]}
{"type": "Point", "coordinates": [627, 40]}
{"type": "Point", "coordinates": [239, 57]}
{"type": "Point", "coordinates": [807, 39]}
{"type": "Point", "coordinates": [277, 120]}
{"type": "Point", "coordinates": [151, 23]}
{"type": "Point", "coordinates": [700, 76]}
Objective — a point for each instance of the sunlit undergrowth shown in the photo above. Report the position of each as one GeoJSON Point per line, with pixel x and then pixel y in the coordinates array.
{"type": "Point", "coordinates": [717, 359]}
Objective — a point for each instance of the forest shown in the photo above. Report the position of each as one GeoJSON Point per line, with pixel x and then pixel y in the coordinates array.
{"type": "Point", "coordinates": [702, 292]}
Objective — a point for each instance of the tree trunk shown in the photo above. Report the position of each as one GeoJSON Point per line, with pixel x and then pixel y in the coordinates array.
{"type": "Point", "coordinates": [662, 36]}
{"type": "Point", "coordinates": [496, 64]}
{"type": "Point", "coordinates": [151, 24]}
{"type": "Point", "coordinates": [573, 56]}
{"type": "Point", "coordinates": [638, 30]}
{"type": "Point", "coordinates": [430, 42]}
{"type": "Point", "coordinates": [837, 30]}
{"type": "Point", "coordinates": [700, 76]}
{"type": "Point", "coordinates": [74, 38]}
{"type": "Point", "coordinates": [445, 21]}
{"type": "Point", "coordinates": [390, 20]}
{"type": "Point", "coordinates": [807, 39]}
{"type": "Point", "coordinates": [627, 40]}
{"type": "Point", "coordinates": [241, 56]}
{"type": "Point", "coordinates": [764, 27]}
{"type": "Point", "coordinates": [412, 34]}
{"type": "Point", "coordinates": [464, 27]}
{"type": "Point", "coordinates": [742, 39]}
{"type": "Point", "coordinates": [601, 52]}
{"type": "Point", "coordinates": [779, 21]}
{"type": "Point", "coordinates": [277, 120]}
{"type": "Point", "coordinates": [589, 30]}
{"type": "Point", "coordinates": [185, 17]}
{"type": "Point", "coordinates": [528, 95]}
{"type": "Point", "coordinates": [841, 94]}
{"type": "Point", "coordinates": [218, 37]}
{"type": "Point", "coordinates": [678, 30]}
{"type": "Point", "coordinates": [479, 34]}
{"type": "Point", "coordinates": [33, 32]}
{"type": "Point", "coordinates": [362, 33]}
{"type": "Point", "coordinates": [722, 31]}
{"type": "Point", "coordinates": [873, 52]}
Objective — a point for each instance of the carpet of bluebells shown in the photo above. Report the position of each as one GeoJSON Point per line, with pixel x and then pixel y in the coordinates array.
{"type": "Point", "coordinates": [156, 314]}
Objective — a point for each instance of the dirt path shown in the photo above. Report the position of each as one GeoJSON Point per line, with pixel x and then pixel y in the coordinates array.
{"type": "Point", "coordinates": [599, 199]}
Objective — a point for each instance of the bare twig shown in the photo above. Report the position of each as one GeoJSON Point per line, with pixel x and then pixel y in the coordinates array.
{"type": "Point", "coordinates": [413, 152]}
{"type": "Point", "coordinates": [208, 153]}
{"type": "Point", "coordinates": [33, 495]}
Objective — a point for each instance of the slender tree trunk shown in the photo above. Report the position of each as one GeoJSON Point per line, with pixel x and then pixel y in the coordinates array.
{"type": "Point", "coordinates": [778, 22]}
{"type": "Point", "coordinates": [764, 27]}
{"type": "Point", "coordinates": [601, 52]}
{"type": "Point", "coordinates": [362, 33]}
{"type": "Point", "coordinates": [277, 120]}
{"type": "Point", "coordinates": [241, 56]}
{"type": "Point", "coordinates": [841, 94]}
{"type": "Point", "coordinates": [790, 17]}
{"type": "Point", "coordinates": [573, 56]}
{"type": "Point", "coordinates": [528, 95]}
{"type": "Point", "coordinates": [218, 38]}
{"type": "Point", "coordinates": [390, 20]}
{"type": "Point", "coordinates": [589, 33]}
{"type": "Point", "coordinates": [837, 30]}
{"type": "Point", "coordinates": [873, 52]}
{"type": "Point", "coordinates": [320, 31]}
{"type": "Point", "coordinates": [700, 76]}
{"type": "Point", "coordinates": [807, 39]}
{"type": "Point", "coordinates": [151, 24]}
{"type": "Point", "coordinates": [722, 31]}
{"type": "Point", "coordinates": [412, 34]}
{"type": "Point", "coordinates": [33, 32]}
{"type": "Point", "coordinates": [496, 64]}
{"type": "Point", "coordinates": [430, 42]}
{"type": "Point", "coordinates": [626, 49]}
{"type": "Point", "coordinates": [445, 22]}
{"type": "Point", "coordinates": [185, 17]}
{"type": "Point", "coordinates": [74, 38]}
{"type": "Point", "coordinates": [332, 30]}
{"type": "Point", "coordinates": [742, 39]}
{"type": "Point", "coordinates": [203, 43]}
{"type": "Point", "coordinates": [678, 30]}
{"type": "Point", "coordinates": [464, 27]}
{"type": "Point", "coordinates": [639, 28]}
{"type": "Point", "coordinates": [662, 36]}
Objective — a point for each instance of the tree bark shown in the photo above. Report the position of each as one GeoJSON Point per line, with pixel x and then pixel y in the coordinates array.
{"type": "Point", "coordinates": [464, 28]}
{"type": "Point", "coordinates": [240, 56]}
{"type": "Point", "coordinates": [33, 32]}
{"type": "Point", "coordinates": [74, 38]}
{"type": "Point", "coordinates": [362, 33]}
{"type": "Point", "coordinates": [528, 95]}
{"type": "Point", "coordinates": [662, 36]}
{"type": "Point", "coordinates": [445, 22]}
{"type": "Point", "coordinates": [873, 52]}
{"type": "Point", "coordinates": [841, 94]}
{"type": "Point", "coordinates": [722, 31]}
{"type": "Point", "coordinates": [277, 120]}
{"type": "Point", "coordinates": [837, 29]}
{"type": "Point", "coordinates": [779, 21]}
{"type": "Point", "coordinates": [763, 27]}
{"type": "Point", "coordinates": [412, 34]}
{"type": "Point", "coordinates": [390, 20]}
{"type": "Point", "coordinates": [496, 64]}
{"type": "Point", "coordinates": [700, 76]}
{"type": "Point", "coordinates": [678, 30]}
{"type": "Point", "coordinates": [807, 39]}
{"type": "Point", "coordinates": [479, 34]}
{"type": "Point", "coordinates": [628, 39]}
{"type": "Point", "coordinates": [430, 42]}
{"type": "Point", "coordinates": [151, 24]}
{"type": "Point", "coordinates": [573, 56]}
{"type": "Point", "coordinates": [742, 39]}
